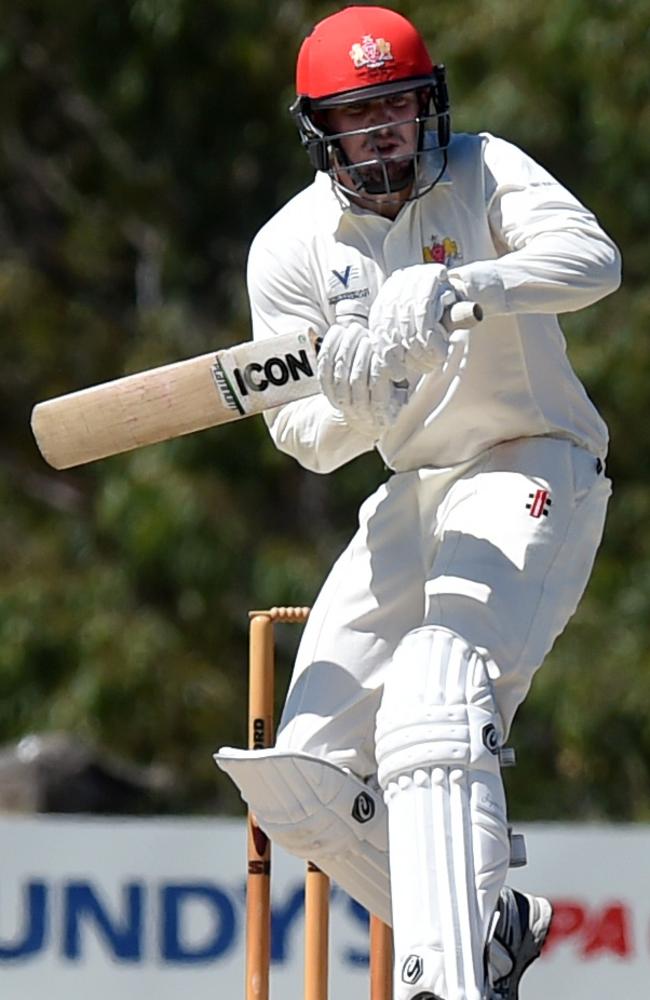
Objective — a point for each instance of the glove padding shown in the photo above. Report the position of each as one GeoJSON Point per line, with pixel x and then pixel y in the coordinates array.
{"type": "Point", "coordinates": [405, 319]}
{"type": "Point", "coordinates": [355, 380]}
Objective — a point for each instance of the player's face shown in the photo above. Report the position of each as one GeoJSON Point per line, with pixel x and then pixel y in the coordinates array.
{"type": "Point", "coordinates": [384, 130]}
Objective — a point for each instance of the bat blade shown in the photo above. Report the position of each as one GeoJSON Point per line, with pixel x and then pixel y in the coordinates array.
{"type": "Point", "coordinates": [180, 398]}
{"type": "Point", "coordinates": [187, 396]}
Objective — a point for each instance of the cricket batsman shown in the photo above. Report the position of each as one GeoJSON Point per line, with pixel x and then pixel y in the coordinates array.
{"type": "Point", "coordinates": [470, 559]}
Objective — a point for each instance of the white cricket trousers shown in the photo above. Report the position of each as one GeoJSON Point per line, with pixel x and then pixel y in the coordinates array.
{"type": "Point", "coordinates": [499, 550]}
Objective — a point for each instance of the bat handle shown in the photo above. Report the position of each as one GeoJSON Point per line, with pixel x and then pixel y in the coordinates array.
{"type": "Point", "coordinates": [462, 316]}
{"type": "Point", "coordinates": [459, 316]}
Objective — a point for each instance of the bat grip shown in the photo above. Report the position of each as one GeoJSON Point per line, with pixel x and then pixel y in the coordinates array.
{"type": "Point", "coordinates": [461, 316]}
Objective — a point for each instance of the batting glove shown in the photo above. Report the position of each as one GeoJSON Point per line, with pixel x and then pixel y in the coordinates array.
{"type": "Point", "coordinates": [405, 319]}
{"type": "Point", "coordinates": [355, 380]}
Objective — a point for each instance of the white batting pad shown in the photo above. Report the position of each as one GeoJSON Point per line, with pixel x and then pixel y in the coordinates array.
{"type": "Point", "coordinates": [438, 736]}
{"type": "Point", "coordinates": [318, 811]}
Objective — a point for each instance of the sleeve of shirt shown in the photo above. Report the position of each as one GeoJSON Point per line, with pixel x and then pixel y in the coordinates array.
{"type": "Point", "coordinates": [553, 255]}
{"type": "Point", "coordinates": [282, 300]}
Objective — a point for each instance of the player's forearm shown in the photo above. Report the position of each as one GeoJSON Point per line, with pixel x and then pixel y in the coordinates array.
{"type": "Point", "coordinates": [315, 434]}
{"type": "Point", "coordinates": [553, 273]}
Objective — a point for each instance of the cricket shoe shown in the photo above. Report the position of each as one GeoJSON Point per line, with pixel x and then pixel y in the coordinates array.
{"type": "Point", "coordinates": [520, 932]}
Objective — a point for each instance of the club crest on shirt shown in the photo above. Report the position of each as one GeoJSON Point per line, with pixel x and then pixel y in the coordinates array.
{"type": "Point", "coordinates": [442, 250]}
{"type": "Point", "coordinates": [341, 285]}
{"type": "Point", "coordinates": [371, 53]}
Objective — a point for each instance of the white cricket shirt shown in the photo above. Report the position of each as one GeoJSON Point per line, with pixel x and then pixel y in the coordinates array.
{"type": "Point", "coordinates": [523, 247]}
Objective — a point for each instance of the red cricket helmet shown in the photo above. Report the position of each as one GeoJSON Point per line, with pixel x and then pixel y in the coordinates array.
{"type": "Point", "coordinates": [359, 54]}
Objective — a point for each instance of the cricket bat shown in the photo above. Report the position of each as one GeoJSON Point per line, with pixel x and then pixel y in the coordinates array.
{"type": "Point", "coordinates": [186, 396]}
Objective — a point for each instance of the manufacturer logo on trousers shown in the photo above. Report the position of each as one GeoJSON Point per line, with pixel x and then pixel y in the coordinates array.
{"type": "Point", "coordinates": [412, 969]}
{"type": "Point", "coordinates": [364, 808]}
{"type": "Point", "coordinates": [540, 503]}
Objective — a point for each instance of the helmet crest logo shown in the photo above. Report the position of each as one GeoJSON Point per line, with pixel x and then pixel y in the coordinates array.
{"type": "Point", "coordinates": [371, 53]}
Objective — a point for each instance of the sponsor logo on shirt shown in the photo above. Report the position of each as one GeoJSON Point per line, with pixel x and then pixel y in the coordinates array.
{"type": "Point", "coordinates": [371, 53]}
{"type": "Point", "coordinates": [442, 250]}
{"type": "Point", "coordinates": [341, 284]}
{"type": "Point", "coordinates": [343, 277]}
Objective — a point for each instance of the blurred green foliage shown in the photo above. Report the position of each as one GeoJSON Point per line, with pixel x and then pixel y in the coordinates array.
{"type": "Point", "coordinates": [142, 143]}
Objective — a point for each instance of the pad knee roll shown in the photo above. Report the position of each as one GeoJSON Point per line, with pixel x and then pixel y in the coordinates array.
{"type": "Point", "coordinates": [438, 708]}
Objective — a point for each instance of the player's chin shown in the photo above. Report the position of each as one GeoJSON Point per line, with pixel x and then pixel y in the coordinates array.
{"type": "Point", "coordinates": [398, 175]}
